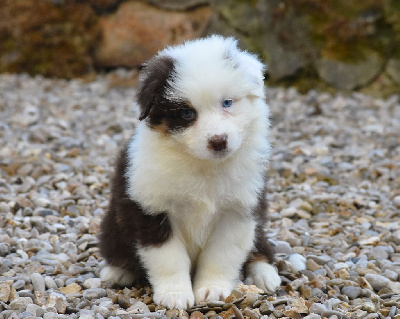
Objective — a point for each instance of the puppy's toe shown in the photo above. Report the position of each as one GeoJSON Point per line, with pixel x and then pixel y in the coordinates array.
{"type": "Point", "coordinates": [117, 275]}
{"type": "Point", "coordinates": [212, 293]}
{"type": "Point", "coordinates": [175, 300]}
{"type": "Point", "coordinates": [264, 276]}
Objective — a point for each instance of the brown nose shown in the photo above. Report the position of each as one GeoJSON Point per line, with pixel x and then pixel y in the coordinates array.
{"type": "Point", "coordinates": [218, 142]}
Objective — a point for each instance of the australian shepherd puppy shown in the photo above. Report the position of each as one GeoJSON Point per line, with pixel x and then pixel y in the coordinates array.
{"type": "Point", "coordinates": [188, 204]}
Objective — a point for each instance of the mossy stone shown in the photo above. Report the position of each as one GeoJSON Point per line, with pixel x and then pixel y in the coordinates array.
{"type": "Point", "coordinates": [393, 70]}
{"type": "Point", "coordinates": [39, 37]}
{"type": "Point", "coordinates": [350, 75]}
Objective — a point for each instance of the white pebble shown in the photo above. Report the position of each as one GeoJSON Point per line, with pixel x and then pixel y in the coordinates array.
{"type": "Point", "coordinates": [396, 201]}
{"type": "Point", "coordinates": [38, 282]}
{"type": "Point", "coordinates": [50, 283]}
{"type": "Point", "coordinates": [92, 283]}
{"type": "Point", "coordinates": [377, 281]}
{"type": "Point", "coordinates": [298, 262]}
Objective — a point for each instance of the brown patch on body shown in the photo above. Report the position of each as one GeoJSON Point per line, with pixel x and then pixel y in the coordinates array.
{"type": "Point", "coordinates": [263, 250]}
{"type": "Point", "coordinates": [127, 225]}
{"type": "Point", "coordinates": [256, 256]}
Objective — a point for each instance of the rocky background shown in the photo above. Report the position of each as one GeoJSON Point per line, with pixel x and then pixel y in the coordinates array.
{"type": "Point", "coordinates": [334, 193]}
{"type": "Point", "coordinates": [341, 44]}
{"type": "Point", "coordinates": [334, 175]}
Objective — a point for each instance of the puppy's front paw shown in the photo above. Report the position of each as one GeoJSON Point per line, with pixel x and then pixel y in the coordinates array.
{"type": "Point", "coordinates": [264, 276]}
{"type": "Point", "coordinates": [117, 275]}
{"type": "Point", "coordinates": [175, 299]}
{"type": "Point", "coordinates": [212, 292]}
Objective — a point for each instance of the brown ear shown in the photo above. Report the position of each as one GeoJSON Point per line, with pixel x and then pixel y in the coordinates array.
{"type": "Point", "coordinates": [153, 83]}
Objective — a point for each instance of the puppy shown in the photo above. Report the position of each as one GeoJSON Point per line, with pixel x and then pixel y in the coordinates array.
{"type": "Point", "coordinates": [188, 204]}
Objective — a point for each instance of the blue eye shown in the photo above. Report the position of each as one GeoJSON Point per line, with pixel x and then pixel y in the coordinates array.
{"type": "Point", "coordinates": [227, 103]}
{"type": "Point", "coordinates": [188, 114]}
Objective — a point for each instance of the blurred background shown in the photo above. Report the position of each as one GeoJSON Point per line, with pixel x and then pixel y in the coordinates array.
{"type": "Point", "coordinates": [308, 44]}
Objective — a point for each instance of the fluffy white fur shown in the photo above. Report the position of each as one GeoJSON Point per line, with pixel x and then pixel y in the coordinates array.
{"type": "Point", "coordinates": [117, 275]}
{"type": "Point", "coordinates": [209, 197]}
{"type": "Point", "coordinates": [263, 275]}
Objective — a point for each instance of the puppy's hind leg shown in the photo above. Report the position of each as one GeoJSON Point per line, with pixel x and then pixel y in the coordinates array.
{"type": "Point", "coordinates": [117, 275]}
{"type": "Point", "coordinates": [263, 275]}
{"type": "Point", "coordinates": [259, 270]}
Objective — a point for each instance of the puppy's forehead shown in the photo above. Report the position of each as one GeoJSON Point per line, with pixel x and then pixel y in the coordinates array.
{"type": "Point", "coordinates": [209, 69]}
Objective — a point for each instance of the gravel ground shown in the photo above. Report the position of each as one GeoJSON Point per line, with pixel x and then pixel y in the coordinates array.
{"type": "Point", "coordinates": [334, 201]}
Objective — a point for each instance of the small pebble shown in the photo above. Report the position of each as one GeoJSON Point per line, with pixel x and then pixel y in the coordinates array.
{"type": "Point", "coordinates": [317, 308]}
{"type": "Point", "coordinates": [196, 315]}
{"type": "Point", "coordinates": [35, 310]}
{"type": "Point", "coordinates": [38, 282]}
{"type": "Point", "coordinates": [94, 293]}
{"type": "Point", "coordinates": [5, 290]}
{"type": "Point", "coordinates": [312, 265]}
{"type": "Point", "coordinates": [92, 283]}
{"type": "Point", "coordinates": [103, 311]}
{"type": "Point", "coordinates": [396, 201]}
{"type": "Point", "coordinates": [390, 274]}
{"type": "Point", "coordinates": [333, 200]}
{"type": "Point", "coordinates": [351, 292]}
{"type": "Point", "coordinates": [19, 284]}
{"type": "Point", "coordinates": [20, 303]}
{"type": "Point", "coordinates": [4, 249]}
{"type": "Point", "coordinates": [266, 307]}
{"type": "Point", "coordinates": [4, 208]}
{"type": "Point", "coordinates": [50, 283]}
{"type": "Point", "coordinates": [283, 247]}
{"type": "Point", "coordinates": [377, 281]}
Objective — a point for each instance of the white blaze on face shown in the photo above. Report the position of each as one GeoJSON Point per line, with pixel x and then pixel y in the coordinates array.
{"type": "Point", "coordinates": [214, 121]}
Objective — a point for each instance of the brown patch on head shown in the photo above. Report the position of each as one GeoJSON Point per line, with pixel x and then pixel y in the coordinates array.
{"type": "Point", "coordinates": [170, 117]}
{"type": "Point", "coordinates": [153, 82]}
{"type": "Point", "coordinates": [161, 113]}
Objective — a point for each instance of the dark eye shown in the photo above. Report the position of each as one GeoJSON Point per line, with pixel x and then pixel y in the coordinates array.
{"type": "Point", "coordinates": [188, 114]}
{"type": "Point", "coordinates": [227, 103]}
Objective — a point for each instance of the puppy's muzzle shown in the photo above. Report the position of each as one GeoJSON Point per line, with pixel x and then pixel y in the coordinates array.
{"type": "Point", "coordinates": [218, 142]}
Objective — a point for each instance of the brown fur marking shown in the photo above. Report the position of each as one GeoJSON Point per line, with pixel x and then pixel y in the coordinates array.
{"type": "Point", "coordinates": [125, 225]}
{"type": "Point", "coordinates": [263, 250]}
{"type": "Point", "coordinates": [161, 114]}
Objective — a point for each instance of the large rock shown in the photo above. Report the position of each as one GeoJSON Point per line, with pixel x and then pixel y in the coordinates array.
{"type": "Point", "coordinates": [178, 5]}
{"type": "Point", "coordinates": [40, 37]}
{"type": "Point", "coordinates": [343, 43]}
{"type": "Point", "coordinates": [104, 6]}
{"type": "Point", "coordinates": [138, 30]}
{"type": "Point", "coordinates": [350, 75]}
{"type": "Point", "coordinates": [279, 35]}
{"type": "Point", "coordinates": [393, 70]}
{"type": "Point", "coordinates": [283, 61]}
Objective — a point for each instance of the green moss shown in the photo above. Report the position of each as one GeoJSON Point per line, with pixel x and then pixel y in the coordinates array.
{"type": "Point", "coordinates": [241, 15]}
{"type": "Point", "coordinates": [55, 41]}
{"type": "Point", "coordinates": [304, 80]}
{"type": "Point", "coordinates": [342, 29]}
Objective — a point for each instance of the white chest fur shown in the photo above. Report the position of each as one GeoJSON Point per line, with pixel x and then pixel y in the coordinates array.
{"type": "Point", "coordinates": [195, 193]}
{"type": "Point", "coordinates": [165, 178]}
